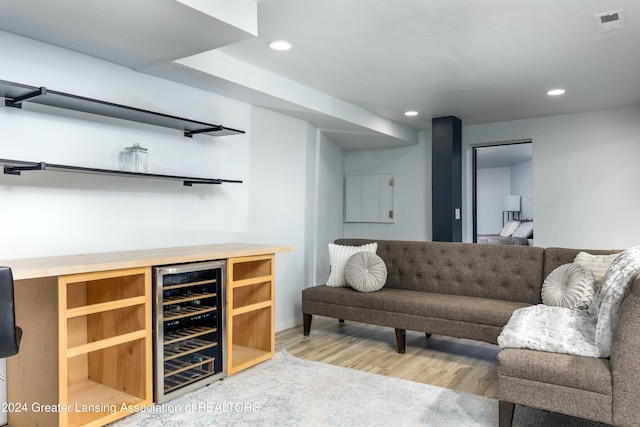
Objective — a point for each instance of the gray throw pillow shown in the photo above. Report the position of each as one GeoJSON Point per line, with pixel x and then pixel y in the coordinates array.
{"type": "Point", "coordinates": [570, 286]}
{"type": "Point", "coordinates": [365, 272]}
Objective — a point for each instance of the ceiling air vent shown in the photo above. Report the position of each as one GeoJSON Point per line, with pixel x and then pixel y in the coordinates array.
{"type": "Point", "coordinates": [610, 21]}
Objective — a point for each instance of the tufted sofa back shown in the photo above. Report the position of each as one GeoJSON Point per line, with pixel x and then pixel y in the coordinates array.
{"type": "Point", "coordinates": [555, 257]}
{"type": "Point", "coordinates": [512, 273]}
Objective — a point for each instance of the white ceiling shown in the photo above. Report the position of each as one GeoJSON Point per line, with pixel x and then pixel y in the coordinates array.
{"type": "Point", "coordinates": [502, 156]}
{"type": "Point", "coordinates": [357, 65]}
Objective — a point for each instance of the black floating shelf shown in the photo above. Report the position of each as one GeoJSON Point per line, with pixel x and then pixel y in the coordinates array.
{"type": "Point", "coordinates": [15, 167]}
{"type": "Point", "coordinates": [17, 93]}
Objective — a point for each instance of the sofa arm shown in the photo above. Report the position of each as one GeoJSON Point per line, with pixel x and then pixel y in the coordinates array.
{"type": "Point", "coordinates": [625, 360]}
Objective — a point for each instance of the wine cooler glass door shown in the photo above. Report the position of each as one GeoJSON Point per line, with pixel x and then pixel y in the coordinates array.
{"type": "Point", "coordinates": [189, 327]}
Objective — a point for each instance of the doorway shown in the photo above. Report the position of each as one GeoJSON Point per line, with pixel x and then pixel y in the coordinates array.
{"type": "Point", "coordinates": [502, 186]}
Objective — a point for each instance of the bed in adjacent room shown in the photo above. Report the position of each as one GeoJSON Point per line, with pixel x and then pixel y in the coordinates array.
{"type": "Point", "coordinates": [514, 232]}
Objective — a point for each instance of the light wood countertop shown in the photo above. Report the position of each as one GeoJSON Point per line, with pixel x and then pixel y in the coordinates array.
{"type": "Point", "coordinates": [32, 268]}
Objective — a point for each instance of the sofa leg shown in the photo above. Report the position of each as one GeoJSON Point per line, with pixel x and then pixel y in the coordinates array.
{"type": "Point", "coordinates": [505, 411]}
{"type": "Point", "coordinates": [400, 339]}
{"type": "Point", "coordinates": [306, 323]}
{"type": "Point", "coordinates": [341, 320]}
{"type": "Point", "coordinates": [428, 335]}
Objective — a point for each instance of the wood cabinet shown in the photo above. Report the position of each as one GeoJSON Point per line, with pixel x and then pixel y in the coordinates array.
{"type": "Point", "coordinates": [86, 351]}
{"type": "Point", "coordinates": [250, 311]}
{"type": "Point", "coordinates": [92, 363]}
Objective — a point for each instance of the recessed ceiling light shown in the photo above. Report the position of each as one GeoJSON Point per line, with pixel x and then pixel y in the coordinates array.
{"type": "Point", "coordinates": [411, 113]}
{"type": "Point", "coordinates": [556, 92]}
{"type": "Point", "coordinates": [280, 45]}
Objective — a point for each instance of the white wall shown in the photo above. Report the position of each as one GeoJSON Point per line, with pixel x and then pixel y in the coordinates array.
{"type": "Point", "coordinates": [521, 180]}
{"type": "Point", "coordinates": [584, 175]}
{"type": "Point", "coordinates": [277, 201]}
{"type": "Point", "coordinates": [52, 213]}
{"type": "Point", "coordinates": [59, 213]}
{"type": "Point", "coordinates": [412, 192]}
{"type": "Point", "coordinates": [329, 202]}
{"type": "Point", "coordinates": [493, 184]}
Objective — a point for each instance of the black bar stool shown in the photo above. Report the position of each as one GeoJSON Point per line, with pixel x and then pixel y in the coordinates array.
{"type": "Point", "coordinates": [10, 334]}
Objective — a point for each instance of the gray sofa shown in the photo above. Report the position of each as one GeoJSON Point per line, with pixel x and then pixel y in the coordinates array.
{"type": "Point", "coordinates": [455, 289]}
{"type": "Point", "coordinates": [469, 291]}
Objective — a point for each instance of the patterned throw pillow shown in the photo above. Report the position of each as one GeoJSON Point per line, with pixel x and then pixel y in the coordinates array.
{"type": "Point", "coordinates": [570, 286]}
{"type": "Point", "coordinates": [365, 272]}
{"type": "Point", "coordinates": [338, 257]}
{"type": "Point", "coordinates": [597, 264]}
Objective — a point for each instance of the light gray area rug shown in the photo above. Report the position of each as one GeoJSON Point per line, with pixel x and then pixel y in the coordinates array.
{"type": "Point", "coordinates": [288, 391]}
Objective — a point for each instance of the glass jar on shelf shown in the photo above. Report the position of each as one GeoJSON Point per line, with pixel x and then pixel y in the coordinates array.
{"type": "Point", "coordinates": [135, 159]}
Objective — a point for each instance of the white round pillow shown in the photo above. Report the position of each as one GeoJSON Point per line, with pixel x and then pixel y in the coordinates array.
{"type": "Point", "coordinates": [365, 272]}
{"type": "Point", "coordinates": [569, 286]}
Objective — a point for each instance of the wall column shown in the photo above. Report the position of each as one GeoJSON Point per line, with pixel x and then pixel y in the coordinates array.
{"type": "Point", "coordinates": [446, 179]}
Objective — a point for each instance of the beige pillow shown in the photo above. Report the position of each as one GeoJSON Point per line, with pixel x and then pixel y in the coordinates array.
{"type": "Point", "coordinates": [570, 286]}
{"type": "Point", "coordinates": [509, 228]}
{"type": "Point", "coordinates": [597, 264]}
{"type": "Point", "coordinates": [338, 257]}
{"type": "Point", "coordinates": [365, 272]}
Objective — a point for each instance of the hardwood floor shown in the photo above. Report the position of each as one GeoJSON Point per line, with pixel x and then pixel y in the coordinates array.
{"type": "Point", "coordinates": [453, 363]}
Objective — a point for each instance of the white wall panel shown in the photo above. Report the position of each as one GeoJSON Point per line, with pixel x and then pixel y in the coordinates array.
{"type": "Point", "coordinates": [411, 167]}
{"type": "Point", "coordinates": [369, 197]}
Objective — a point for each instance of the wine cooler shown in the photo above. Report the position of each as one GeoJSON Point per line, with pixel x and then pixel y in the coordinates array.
{"type": "Point", "coordinates": [189, 327]}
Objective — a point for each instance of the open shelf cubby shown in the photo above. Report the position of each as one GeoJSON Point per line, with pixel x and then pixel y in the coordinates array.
{"type": "Point", "coordinates": [250, 311]}
{"type": "Point", "coordinates": [104, 346]}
